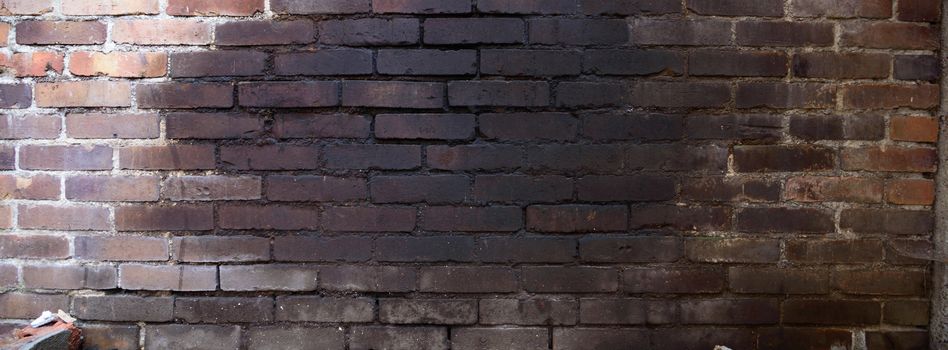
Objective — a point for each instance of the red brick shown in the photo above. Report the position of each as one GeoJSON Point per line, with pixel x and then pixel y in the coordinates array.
{"type": "Point", "coordinates": [269, 217]}
{"type": "Point", "coordinates": [173, 157]}
{"type": "Point", "coordinates": [9, 276]}
{"type": "Point", "coordinates": [206, 188]}
{"type": "Point", "coordinates": [212, 126]}
{"type": "Point", "coordinates": [783, 158]}
{"type": "Point", "coordinates": [879, 96]}
{"type": "Point", "coordinates": [66, 32]}
{"type": "Point", "coordinates": [113, 126]}
{"type": "Point", "coordinates": [730, 189]}
{"type": "Point", "coordinates": [26, 7]}
{"type": "Point", "coordinates": [887, 35]}
{"type": "Point", "coordinates": [289, 94]}
{"type": "Point", "coordinates": [164, 218]}
{"type": "Point", "coordinates": [910, 191]}
{"type": "Point", "coordinates": [119, 64]}
{"type": "Point", "coordinates": [214, 7]}
{"type": "Point", "coordinates": [221, 249]}
{"type": "Point", "coordinates": [78, 157]}
{"type": "Point", "coordinates": [34, 187]}
{"type": "Point", "coordinates": [121, 248]}
{"type": "Point", "coordinates": [34, 64]}
{"type": "Point", "coordinates": [315, 189]}
{"type": "Point", "coordinates": [912, 128]}
{"type": "Point", "coordinates": [84, 94]}
{"type": "Point", "coordinates": [109, 7]}
{"type": "Point", "coordinates": [112, 188]}
{"type": "Point", "coordinates": [834, 189]}
{"type": "Point", "coordinates": [382, 219]}
{"type": "Point", "coordinates": [31, 126]}
{"type": "Point", "coordinates": [185, 95]}
{"type": "Point", "coordinates": [270, 157]}
{"type": "Point", "coordinates": [737, 250]}
{"type": "Point", "coordinates": [255, 33]}
{"type": "Point", "coordinates": [472, 219]}
{"type": "Point", "coordinates": [161, 32]}
{"type": "Point", "coordinates": [891, 158]}
{"type": "Point", "coordinates": [919, 10]}
{"type": "Point", "coordinates": [34, 247]}
{"type": "Point", "coordinates": [167, 277]}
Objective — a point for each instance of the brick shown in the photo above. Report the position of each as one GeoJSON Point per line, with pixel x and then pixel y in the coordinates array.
{"type": "Point", "coordinates": [742, 127]}
{"type": "Point", "coordinates": [530, 62]}
{"type": "Point", "coordinates": [885, 35]}
{"type": "Point", "coordinates": [107, 7]}
{"type": "Point", "coordinates": [340, 248]}
{"type": "Point", "coordinates": [499, 93]}
{"type": "Point", "coordinates": [428, 248]}
{"type": "Point", "coordinates": [678, 95]}
{"type": "Point", "coordinates": [639, 188]}
{"type": "Point", "coordinates": [26, 7]}
{"type": "Point", "coordinates": [276, 337]}
{"type": "Point", "coordinates": [112, 188]}
{"type": "Point", "coordinates": [115, 337]}
{"type": "Point", "coordinates": [556, 7]}
{"type": "Point", "coordinates": [118, 64]}
{"type": "Point", "coordinates": [855, 127]}
{"type": "Point", "coordinates": [236, 63]}
{"type": "Point", "coordinates": [315, 189]}
{"type": "Point", "coordinates": [24, 306]}
{"type": "Point", "coordinates": [880, 340]}
{"type": "Point", "coordinates": [392, 157]}
{"type": "Point", "coordinates": [34, 187]}
{"type": "Point", "coordinates": [626, 311]}
{"type": "Point", "coordinates": [288, 94]}
{"type": "Point", "coordinates": [223, 310]}
{"type": "Point", "coordinates": [206, 188]}
{"type": "Point", "coordinates": [221, 249]}
{"type": "Point", "coordinates": [630, 7]}
{"type": "Point", "coordinates": [428, 311]}
{"type": "Point", "coordinates": [425, 126]}
{"type": "Point", "coordinates": [472, 219]}
{"type": "Point", "coordinates": [270, 157]}
{"type": "Point", "coordinates": [599, 338]}
{"type": "Point", "coordinates": [448, 31]}
{"type": "Point", "coordinates": [302, 7]}
{"type": "Point", "coordinates": [892, 158]}
{"type": "Point", "coordinates": [381, 337]}
{"type": "Point", "coordinates": [174, 278]}
{"type": "Point", "coordinates": [786, 95]}
{"type": "Point", "coordinates": [834, 251]}
{"type": "Point", "coordinates": [628, 249]}
{"type": "Point", "coordinates": [77, 94]}
{"type": "Point", "coordinates": [212, 126]}
{"type": "Point", "coordinates": [528, 126]}
{"type": "Point", "coordinates": [164, 218]}
{"type": "Point", "coordinates": [569, 31]}
{"type": "Point", "coordinates": [533, 311]}
{"type": "Point", "coordinates": [835, 9]}
{"type": "Point", "coordinates": [834, 189]}
{"type": "Point", "coordinates": [583, 94]}
{"type": "Point", "coordinates": [75, 157]}
{"type": "Point", "coordinates": [730, 189]}
{"type": "Point", "coordinates": [797, 338]}
{"type": "Point", "coordinates": [121, 248]}
{"type": "Point", "coordinates": [369, 219]}
{"type": "Point", "coordinates": [113, 126]}
{"type": "Point", "coordinates": [768, 8]}
{"type": "Point", "coordinates": [887, 221]}
{"type": "Point", "coordinates": [784, 34]}
{"type": "Point", "coordinates": [841, 66]}
{"type": "Point", "coordinates": [561, 279]}
{"type": "Point", "coordinates": [704, 337]}
{"type": "Point", "coordinates": [736, 250]}
{"type": "Point", "coordinates": [765, 280]}
{"type": "Point", "coordinates": [325, 309]}
{"type": "Point", "coordinates": [613, 158]}
{"type": "Point", "coordinates": [21, 95]}
{"type": "Point", "coordinates": [738, 63]}
{"type": "Point", "coordinates": [179, 336]}
{"type": "Point", "coordinates": [677, 32]}
{"type": "Point", "coordinates": [127, 308]}
{"type": "Point", "coordinates": [474, 157]}
{"type": "Point", "coordinates": [426, 62]}
{"type": "Point", "coordinates": [33, 64]}
{"type": "Point", "coordinates": [360, 278]}
{"type": "Point", "coordinates": [880, 282]}
{"type": "Point", "coordinates": [880, 96]}
{"type": "Point", "coordinates": [467, 279]}
{"type": "Point", "coordinates": [269, 217]}
{"type": "Point", "coordinates": [173, 157]}
{"type": "Point", "coordinates": [414, 189]}
{"type": "Point", "coordinates": [370, 32]}
{"type": "Point", "coordinates": [731, 311]}
{"type": "Point", "coordinates": [324, 62]}
{"type": "Point", "coordinates": [673, 280]}
{"type": "Point", "coordinates": [499, 338]}
{"type": "Point", "coordinates": [577, 218]}
{"type": "Point", "coordinates": [680, 218]}
{"type": "Point", "coordinates": [910, 191]}
{"type": "Point", "coordinates": [783, 158]}
{"type": "Point", "coordinates": [906, 312]}
{"type": "Point", "coordinates": [321, 126]}
{"type": "Point", "coordinates": [267, 277]}
{"type": "Point", "coordinates": [214, 7]}
{"type": "Point", "coordinates": [162, 32]}
{"type": "Point", "coordinates": [518, 188]}
{"type": "Point", "coordinates": [393, 94]}
{"type": "Point", "coordinates": [421, 6]}
{"type": "Point", "coordinates": [32, 126]}
{"type": "Point", "coordinates": [256, 33]}
{"type": "Point", "coordinates": [775, 220]}
{"type": "Point", "coordinates": [916, 67]}
{"type": "Point", "coordinates": [71, 218]}
{"type": "Point", "coordinates": [633, 62]}
{"type": "Point", "coordinates": [185, 95]}
{"type": "Point", "coordinates": [535, 250]}
{"type": "Point", "coordinates": [64, 33]}
{"type": "Point", "coordinates": [831, 312]}
{"type": "Point", "coordinates": [919, 11]}
{"type": "Point", "coordinates": [69, 277]}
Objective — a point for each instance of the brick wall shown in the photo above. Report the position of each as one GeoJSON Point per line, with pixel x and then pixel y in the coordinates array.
{"type": "Point", "coordinates": [470, 174]}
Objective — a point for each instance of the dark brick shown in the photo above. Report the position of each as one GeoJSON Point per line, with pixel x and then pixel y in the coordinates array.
{"type": "Point", "coordinates": [680, 95]}
{"type": "Point", "coordinates": [168, 277]}
{"type": "Point", "coordinates": [680, 218]}
{"type": "Point", "coordinates": [25, 306]}
{"type": "Point", "coordinates": [271, 277]}
{"type": "Point", "coordinates": [270, 217]}
{"type": "Point", "coordinates": [673, 281]}
{"type": "Point", "coordinates": [889, 35]}
{"type": "Point", "coordinates": [371, 219]}
{"type": "Point", "coordinates": [498, 338]}
{"type": "Point", "coordinates": [213, 126]}
{"type": "Point", "coordinates": [835, 251]}
{"type": "Point", "coordinates": [777, 220]}
{"type": "Point", "coordinates": [295, 337]}
{"type": "Point", "coordinates": [62, 32]}
{"type": "Point", "coordinates": [164, 218]}
{"type": "Point", "coordinates": [521, 188]}
{"type": "Point", "coordinates": [835, 9]}
{"type": "Point", "coordinates": [563, 279]}
{"type": "Point", "coordinates": [569, 31]}
{"type": "Point", "coordinates": [831, 312]}
{"type": "Point", "coordinates": [783, 158]}
{"type": "Point", "coordinates": [68, 276]}
{"type": "Point", "coordinates": [917, 67]}
{"type": "Point", "coordinates": [474, 157]}
{"type": "Point", "coordinates": [123, 308]}
{"type": "Point", "coordinates": [179, 336]}
{"type": "Point", "coordinates": [472, 219]}
{"type": "Point", "coordinates": [731, 311]}
{"type": "Point", "coordinates": [737, 63]}
{"type": "Point", "coordinates": [586, 94]}
{"type": "Point", "coordinates": [528, 126]}
{"type": "Point", "coordinates": [425, 126]}
{"type": "Point", "coordinates": [804, 338]}
{"type": "Point", "coordinates": [379, 337]}
{"type": "Point", "coordinates": [784, 34]}
{"type": "Point", "coordinates": [223, 310]}
{"type": "Point", "coordinates": [786, 95]}
{"type": "Point", "coordinates": [427, 62]}
{"type": "Point", "coordinates": [730, 189]}
{"type": "Point", "coordinates": [530, 62]}
{"type": "Point", "coordinates": [833, 189]}
{"type": "Point", "coordinates": [778, 280]}
{"type": "Point", "coordinates": [891, 158]}
{"type": "Point", "coordinates": [766, 8]}
{"type": "Point", "coordinates": [646, 31]}
{"type": "Point", "coordinates": [447, 31]}
{"type": "Point", "coordinates": [630, 7]}
{"type": "Point", "coordinates": [599, 339]}
{"type": "Point", "coordinates": [919, 11]}
{"type": "Point", "coordinates": [288, 94]}
{"type": "Point", "coordinates": [121, 248]}
{"type": "Point", "coordinates": [424, 249]}
{"type": "Point", "coordinates": [627, 249]}
{"type": "Point", "coordinates": [499, 93]}
{"type": "Point", "coordinates": [360, 278]}
{"type": "Point", "coordinates": [533, 311]}
{"type": "Point", "coordinates": [302, 7]}
{"type": "Point", "coordinates": [882, 96]}
{"type": "Point", "coordinates": [627, 311]}
{"type": "Point", "coordinates": [857, 127]}
{"type": "Point", "coordinates": [109, 337]}
{"type": "Point", "coordinates": [292, 126]}
{"type": "Point", "coordinates": [341, 248]}
{"type": "Point", "coordinates": [428, 311]}
{"type": "Point", "coordinates": [841, 66]}
{"type": "Point", "coordinates": [638, 188]}
{"type": "Point", "coordinates": [315, 189]}
{"type": "Point", "coordinates": [71, 218]}
{"type": "Point", "coordinates": [414, 189]}
{"type": "Point", "coordinates": [577, 218]}
{"type": "Point", "coordinates": [185, 95]}
{"type": "Point", "coordinates": [16, 96]}
{"type": "Point", "coordinates": [270, 157]}
{"type": "Point", "coordinates": [880, 282]}
{"type": "Point", "coordinates": [218, 64]}
{"type": "Point", "coordinates": [77, 157]}
{"type": "Point", "coordinates": [393, 94]}
{"type": "Point", "coordinates": [254, 33]}
{"type": "Point", "coordinates": [906, 312]}
{"type": "Point", "coordinates": [733, 250]}
{"type": "Point", "coordinates": [171, 157]}
{"type": "Point", "coordinates": [633, 62]}
{"type": "Point", "coordinates": [221, 249]}
{"type": "Point", "coordinates": [369, 31]}
{"type": "Point", "coordinates": [534, 249]}
{"type": "Point", "coordinates": [891, 340]}
{"type": "Point", "coordinates": [467, 279]}
{"type": "Point", "coordinates": [392, 157]}
{"type": "Point", "coordinates": [325, 62]}
{"type": "Point", "coordinates": [421, 6]}
{"type": "Point", "coordinates": [554, 7]}
{"type": "Point", "coordinates": [324, 309]}
{"type": "Point", "coordinates": [887, 221]}
{"type": "Point", "coordinates": [705, 337]}
{"type": "Point", "coordinates": [207, 188]}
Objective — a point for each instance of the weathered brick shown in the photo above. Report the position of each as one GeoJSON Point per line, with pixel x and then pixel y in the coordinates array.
{"type": "Point", "coordinates": [315, 188]}
{"type": "Point", "coordinates": [34, 187]}
{"type": "Point", "coordinates": [280, 337]}
{"type": "Point", "coordinates": [288, 94]}
{"type": "Point", "coordinates": [800, 338]}
{"type": "Point", "coordinates": [761, 280]}
{"type": "Point", "coordinates": [321, 126]}
{"type": "Point", "coordinates": [640, 188]}
{"type": "Point", "coordinates": [786, 95]}
{"type": "Point", "coordinates": [730, 189]}
{"type": "Point", "coordinates": [784, 34]}
{"type": "Point", "coordinates": [703, 337]}
{"type": "Point", "coordinates": [585, 94]}
{"type": "Point", "coordinates": [577, 218]}
{"type": "Point", "coordinates": [425, 126]}
{"type": "Point", "coordinates": [447, 31]}
{"type": "Point", "coordinates": [217, 63]}
{"type": "Point", "coordinates": [428, 248]}
{"type": "Point", "coordinates": [474, 157]}
{"type": "Point", "coordinates": [33, 64]}
{"type": "Point", "coordinates": [127, 308]}
{"type": "Point", "coordinates": [65, 32]}
{"type": "Point", "coordinates": [467, 279]}
{"type": "Point", "coordinates": [164, 218]}
{"type": "Point", "coordinates": [834, 189]}
{"type": "Point", "coordinates": [732, 250]}
{"type": "Point", "coordinates": [831, 312]}
{"type": "Point", "coordinates": [888, 221]}
{"type": "Point", "coordinates": [421, 6]}
{"type": "Point", "coordinates": [528, 126]}
{"type": "Point", "coordinates": [599, 338]}
{"type": "Point", "coordinates": [214, 7]}
{"type": "Point", "coordinates": [602, 249]}
{"type": "Point", "coordinates": [677, 94]}
{"type": "Point", "coordinates": [324, 309]}
{"type": "Point", "coordinates": [173, 157]}
{"type": "Point", "coordinates": [68, 218]}
{"type": "Point", "coordinates": [517, 188]}
{"type": "Point", "coordinates": [910, 191]}
{"type": "Point", "coordinates": [800, 220]}
{"type": "Point", "coordinates": [69, 277]}
{"type": "Point", "coordinates": [916, 129]}
{"type": "Point", "coordinates": [916, 67]}
{"type": "Point", "coordinates": [340, 248]}
{"type": "Point", "coordinates": [881, 96]}
{"type": "Point", "coordinates": [206, 188]}
{"type": "Point", "coordinates": [381, 337]}
{"type": "Point", "coordinates": [836, 9]}
{"type": "Point", "coordinates": [562, 279]}
{"type": "Point", "coordinates": [887, 35]}
{"type": "Point", "coordinates": [212, 126]}
{"type": "Point", "coordinates": [880, 282]}
{"type": "Point", "coordinates": [33, 126]}
{"type": "Point", "coordinates": [530, 62]}
{"type": "Point", "coordinates": [626, 311]}
{"type": "Point", "coordinates": [119, 64]}
{"type": "Point", "coordinates": [76, 94]}
{"type": "Point", "coordinates": [499, 93]}
{"type": "Point", "coordinates": [555, 7]}
{"type": "Point", "coordinates": [108, 7]}
{"type": "Point", "coordinates": [507, 249]}
{"type": "Point", "coordinates": [834, 251]}
{"type": "Point", "coordinates": [393, 94]}
{"type": "Point", "coordinates": [534, 311]}
{"type": "Point", "coordinates": [783, 158]}
{"type": "Point", "coordinates": [185, 95]}
{"type": "Point", "coordinates": [680, 218]}
{"type": "Point", "coordinates": [24, 306]}
{"type": "Point", "coordinates": [221, 249]}
{"type": "Point", "coordinates": [26, 7]}
{"type": "Point", "coordinates": [767, 8]}
{"type": "Point", "coordinates": [892, 158]}
{"type": "Point", "coordinates": [115, 337]}
{"type": "Point", "coordinates": [174, 31]}
{"type": "Point", "coordinates": [115, 126]}
{"type": "Point", "coordinates": [20, 95]}
{"type": "Point", "coordinates": [324, 62]}
{"type": "Point", "coordinates": [881, 340]}
{"type": "Point", "coordinates": [413, 189]}
{"type": "Point", "coordinates": [472, 219]}
{"type": "Point", "coordinates": [267, 277]}
{"type": "Point", "coordinates": [112, 188]}
{"type": "Point", "coordinates": [302, 7]}
{"type": "Point", "coordinates": [731, 311]}
{"type": "Point", "coordinates": [223, 310]}
{"type": "Point", "coordinates": [270, 157]}
{"type": "Point", "coordinates": [369, 219]}
{"type": "Point", "coordinates": [919, 11]}
{"type": "Point", "coordinates": [121, 248]}
{"type": "Point", "coordinates": [677, 32]}
{"type": "Point", "coordinates": [575, 31]}
{"type": "Point", "coordinates": [167, 277]}
{"type": "Point", "coordinates": [393, 157]}
{"type": "Point", "coordinates": [906, 312]}
{"type": "Point", "coordinates": [841, 66]}
{"type": "Point", "coordinates": [499, 338]}
{"type": "Point", "coordinates": [738, 63]}
{"type": "Point", "coordinates": [838, 127]}
{"type": "Point", "coordinates": [633, 62]}
{"type": "Point", "coordinates": [180, 336]}
{"type": "Point", "coordinates": [426, 62]}
{"type": "Point", "coordinates": [428, 311]}
{"type": "Point", "coordinates": [630, 7]}
{"type": "Point", "coordinates": [370, 31]}
{"type": "Point", "coordinates": [361, 278]}
{"type": "Point", "coordinates": [752, 128]}
{"type": "Point", "coordinates": [269, 217]}
{"type": "Point", "coordinates": [255, 33]}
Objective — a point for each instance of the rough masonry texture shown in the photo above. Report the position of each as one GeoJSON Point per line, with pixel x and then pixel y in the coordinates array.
{"type": "Point", "coordinates": [470, 174]}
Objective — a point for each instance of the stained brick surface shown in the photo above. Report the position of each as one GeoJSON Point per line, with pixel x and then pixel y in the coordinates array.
{"type": "Point", "coordinates": [460, 174]}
